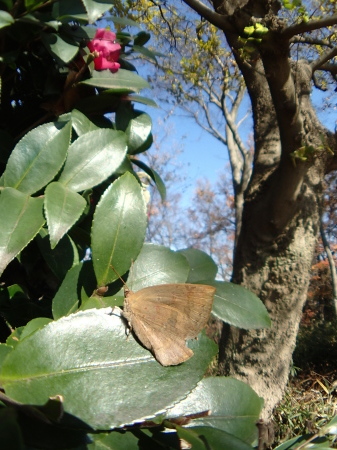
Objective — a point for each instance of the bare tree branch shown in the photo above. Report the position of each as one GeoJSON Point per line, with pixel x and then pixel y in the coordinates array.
{"type": "Point", "coordinates": [310, 41]}
{"type": "Point", "coordinates": [323, 59]}
{"type": "Point", "coordinates": [332, 68]}
{"type": "Point", "coordinates": [304, 27]}
{"type": "Point", "coordinates": [332, 267]}
{"type": "Point", "coordinates": [213, 17]}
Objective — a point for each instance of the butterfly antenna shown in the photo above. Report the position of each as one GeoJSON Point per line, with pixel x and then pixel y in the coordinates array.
{"type": "Point", "coordinates": [125, 285]}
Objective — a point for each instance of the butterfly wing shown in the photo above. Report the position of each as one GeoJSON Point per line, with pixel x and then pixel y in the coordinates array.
{"type": "Point", "coordinates": [166, 350]}
{"type": "Point", "coordinates": [164, 316]}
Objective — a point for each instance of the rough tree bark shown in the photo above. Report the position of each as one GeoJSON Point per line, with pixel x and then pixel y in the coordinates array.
{"type": "Point", "coordinates": [282, 206]}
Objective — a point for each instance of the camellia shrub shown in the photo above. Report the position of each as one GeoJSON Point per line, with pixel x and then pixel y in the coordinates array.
{"type": "Point", "coordinates": [73, 218]}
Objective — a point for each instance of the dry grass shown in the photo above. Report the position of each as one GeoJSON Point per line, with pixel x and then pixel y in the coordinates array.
{"type": "Point", "coordinates": [309, 403]}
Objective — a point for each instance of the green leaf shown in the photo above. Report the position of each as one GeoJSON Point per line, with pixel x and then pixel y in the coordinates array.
{"type": "Point", "coordinates": [138, 133]}
{"type": "Point", "coordinates": [155, 177]}
{"type": "Point", "coordinates": [210, 438]}
{"type": "Point", "coordinates": [233, 407]}
{"type": "Point", "coordinates": [121, 81]}
{"type": "Point", "coordinates": [29, 4]}
{"type": "Point", "coordinates": [81, 123]}
{"type": "Point", "coordinates": [66, 299]}
{"type": "Point", "coordinates": [34, 325]}
{"type": "Point", "coordinates": [62, 257]}
{"type": "Point", "coordinates": [142, 38]}
{"type": "Point", "coordinates": [123, 21]}
{"type": "Point", "coordinates": [140, 99]}
{"type": "Point", "coordinates": [145, 51]}
{"type": "Point", "coordinates": [21, 218]}
{"type": "Point", "coordinates": [331, 427]}
{"type": "Point", "coordinates": [321, 443]}
{"type": "Point", "coordinates": [96, 9]}
{"type": "Point", "coordinates": [92, 158]}
{"type": "Point", "coordinates": [63, 207]}
{"type": "Point", "coordinates": [38, 157]}
{"type": "Point", "coordinates": [118, 229]}
{"type": "Point", "coordinates": [6, 19]}
{"type": "Point", "coordinates": [237, 306]}
{"type": "Point", "coordinates": [58, 47]}
{"type": "Point", "coordinates": [155, 265]}
{"type": "Point", "coordinates": [105, 378]}
{"type": "Point", "coordinates": [202, 266]}
{"type": "Point", "coordinates": [4, 350]}
{"type": "Point", "coordinates": [66, 11]}
{"type": "Point", "coordinates": [15, 337]}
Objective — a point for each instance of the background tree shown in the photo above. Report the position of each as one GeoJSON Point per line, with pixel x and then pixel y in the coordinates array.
{"type": "Point", "coordinates": [282, 51]}
{"type": "Point", "coordinates": [206, 222]}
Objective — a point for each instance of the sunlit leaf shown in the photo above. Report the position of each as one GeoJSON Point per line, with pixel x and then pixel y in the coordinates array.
{"type": "Point", "coordinates": [118, 230]}
{"type": "Point", "coordinates": [121, 81]}
{"type": "Point", "coordinates": [63, 207]}
{"type": "Point", "coordinates": [31, 166]}
{"type": "Point", "coordinates": [21, 218]}
{"type": "Point", "coordinates": [237, 306]}
{"type": "Point", "coordinates": [88, 360]}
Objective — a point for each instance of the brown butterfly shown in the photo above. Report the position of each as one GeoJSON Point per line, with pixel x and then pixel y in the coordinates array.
{"type": "Point", "coordinates": [164, 316]}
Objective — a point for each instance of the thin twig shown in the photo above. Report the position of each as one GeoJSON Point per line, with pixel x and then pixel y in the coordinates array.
{"type": "Point", "coordinates": [332, 266]}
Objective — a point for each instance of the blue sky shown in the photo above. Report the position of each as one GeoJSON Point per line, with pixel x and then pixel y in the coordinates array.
{"type": "Point", "coordinates": [202, 155]}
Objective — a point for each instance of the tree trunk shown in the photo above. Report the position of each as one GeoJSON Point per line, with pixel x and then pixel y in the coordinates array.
{"type": "Point", "coordinates": [280, 219]}
{"type": "Point", "coordinates": [282, 204]}
{"type": "Point", "coordinates": [277, 268]}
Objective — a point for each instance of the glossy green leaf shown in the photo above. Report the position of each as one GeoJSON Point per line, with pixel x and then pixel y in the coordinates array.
{"type": "Point", "coordinates": [81, 123]}
{"type": "Point", "coordinates": [233, 407]}
{"type": "Point", "coordinates": [92, 158]}
{"type": "Point", "coordinates": [331, 427]}
{"type": "Point", "coordinates": [6, 19]}
{"type": "Point", "coordinates": [34, 325]}
{"type": "Point", "coordinates": [202, 266]}
{"type": "Point", "coordinates": [321, 443]}
{"type": "Point", "coordinates": [101, 302]}
{"type": "Point", "coordinates": [62, 257]}
{"type": "Point", "coordinates": [145, 51]}
{"type": "Point", "coordinates": [66, 299]}
{"type": "Point", "coordinates": [118, 229]}
{"type": "Point", "coordinates": [14, 338]}
{"type": "Point", "coordinates": [87, 358]}
{"type": "Point", "coordinates": [142, 38]}
{"type": "Point", "coordinates": [157, 264]}
{"type": "Point", "coordinates": [140, 99]}
{"type": "Point", "coordinates": [63, 207]}
{"type": "Point", "coordinates": [205, 438]}
{"type": "Point", "coordinates": [237, 306]}
{"type": "Point", "coordinates": [96, 9]}
{"type": "Point", "coordinates": [123, 21]}
{"type": "Point", "coordinates": [38, 157]}
{"type": "Point", "coordinates": [58, 47]}
{"type": "Point", "coordinates": [155, 177]}
{"type": "Point", "coordinates": [4, 350]}
{"type": "Point", "coordinates": [21, 218]}
{"type": "Point", "coordinates": [138, 132]}
{"type": "Point", "coordinates": [65, 11]}
{"type": "Point", "coordinates": [121, 81]}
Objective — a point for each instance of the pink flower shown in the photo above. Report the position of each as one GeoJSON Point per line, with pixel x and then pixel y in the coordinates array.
{"type": "Point", "coordinates": [106, 50]}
